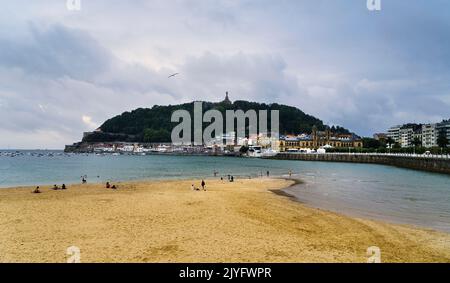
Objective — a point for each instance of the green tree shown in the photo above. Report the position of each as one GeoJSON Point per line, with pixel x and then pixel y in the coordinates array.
{"type": "Point", "coordinates": [417, 142]}
{"type": "Point", "coordinates": [397, 146]}
{"type": "Point", "coordinates": [243, 149]}
{"type": "Point", "coordinates": [371, 143]}
{"type": "Point", "coordinates": [442, 140]}
{"type": "Point", "coordinates": [159, 135]}
{"type": "Point", "coordinates": [130, 125]}
{"type": "Point", "coordinates": [390, 141]}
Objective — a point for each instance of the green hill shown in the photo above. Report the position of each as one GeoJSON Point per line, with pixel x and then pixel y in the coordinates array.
{"type": "Point", "coordinates": [154, 125]}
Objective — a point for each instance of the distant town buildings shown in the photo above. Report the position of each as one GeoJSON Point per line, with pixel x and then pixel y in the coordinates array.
{"type": "Point", "coordinates": [227, 143]}
{"type": "Point", "coordinates": [319, 139]}
{"type": "Point", "coordinates": [409, 135]}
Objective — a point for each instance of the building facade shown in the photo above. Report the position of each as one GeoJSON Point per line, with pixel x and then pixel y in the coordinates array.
{"type": "Point", "coordinates": [406, 137]}
{"type": "Point", "coordinates": [319, 139]}
{"type": "Point", "coordinates": [418, 135]}
{"type": "Point", "coordinates": [394, 133]}
{"type": "Point", "coordinates": [408, 133]}
{"type": "Point", "coordinates": [429, 135]}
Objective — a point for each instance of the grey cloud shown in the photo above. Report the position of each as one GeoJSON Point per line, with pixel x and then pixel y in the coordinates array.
{"type": "Point", "coordinates": [251, 76]}
{"type": "Point", "coordinates": [49, 84]}
{"type": "Point", "coordinates": [55, 52]}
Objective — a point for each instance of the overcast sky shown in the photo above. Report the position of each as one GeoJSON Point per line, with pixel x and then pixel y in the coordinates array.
{"type": "Point", "coordinates": [64, 72]}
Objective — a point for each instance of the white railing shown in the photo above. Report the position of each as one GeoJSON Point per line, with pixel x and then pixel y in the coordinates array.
{"type": "Point", "coordinates": [410, 155]}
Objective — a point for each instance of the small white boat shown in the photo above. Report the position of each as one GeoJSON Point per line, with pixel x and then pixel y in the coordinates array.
{"type": "Point", "coordinates": [268, 152]}
{"type": "Point", "coordinates": [254, 151]}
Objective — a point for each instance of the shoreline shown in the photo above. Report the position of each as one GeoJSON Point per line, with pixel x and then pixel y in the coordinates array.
{"type": "Point", "coordinates": [165, 221]}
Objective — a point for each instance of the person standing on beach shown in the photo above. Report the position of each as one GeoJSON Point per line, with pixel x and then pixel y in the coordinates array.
{"type": "Point", "coordinates": [203, 185]}
{"type": "Point", "coordinates": [267, 173]}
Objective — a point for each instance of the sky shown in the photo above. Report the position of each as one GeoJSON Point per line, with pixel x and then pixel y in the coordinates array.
{"type": "Point", "coordinates": [63, 72]}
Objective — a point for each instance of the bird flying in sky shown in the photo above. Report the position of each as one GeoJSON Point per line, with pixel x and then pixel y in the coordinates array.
{"type": "Point", "coordinates": [173, 75]}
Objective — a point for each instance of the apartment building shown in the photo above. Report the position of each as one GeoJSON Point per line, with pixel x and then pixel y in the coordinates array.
{"type": "Point", "coordinates": [394, 133]}
{"type": "Point", "coordinates": [429, 135]}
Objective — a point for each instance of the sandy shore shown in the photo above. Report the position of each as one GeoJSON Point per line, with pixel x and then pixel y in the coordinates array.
{"type": "Point", "coordinates": [167, 222]}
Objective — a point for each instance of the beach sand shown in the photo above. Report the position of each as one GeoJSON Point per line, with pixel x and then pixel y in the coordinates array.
{"type": "Point", "coordinates": [165, 221]}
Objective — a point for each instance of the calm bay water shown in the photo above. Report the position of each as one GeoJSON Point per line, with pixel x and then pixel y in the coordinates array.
{"type": "Point", "coordinates": [365, 190]}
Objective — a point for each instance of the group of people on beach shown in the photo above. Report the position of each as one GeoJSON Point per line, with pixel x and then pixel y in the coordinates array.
{"type": "Point", "coordinates": [203, 184]}
{"type": "Point", "coordinates": [109, 186]}
{"type": "Point", "coordinates": [63, 187]}
{"type": "Point", "coordinates": [55, 187]}
{"type": "Point", "coordinates": [230, 178]}
{"type": "Point", "coordinates": [37, 190]}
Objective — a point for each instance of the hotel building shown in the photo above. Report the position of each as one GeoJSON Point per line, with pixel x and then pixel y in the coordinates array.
{"type": "Point", "coordinates": [318, 139]}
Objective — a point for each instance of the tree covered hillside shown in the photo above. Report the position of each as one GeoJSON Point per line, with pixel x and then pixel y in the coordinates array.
{"type": "Point", "coordinates": [154, 125]}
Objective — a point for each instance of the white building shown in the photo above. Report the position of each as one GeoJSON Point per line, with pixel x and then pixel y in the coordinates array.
{"type": "Point", "coordinates": [394, 133]}
{"type": "Point", "coordinates": [429, 135]}
{"type": "Point", "coordinates": [406, 137]}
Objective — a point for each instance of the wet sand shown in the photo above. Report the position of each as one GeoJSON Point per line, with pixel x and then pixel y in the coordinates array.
{"type": "Point", "coordinates": [165, 221]}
